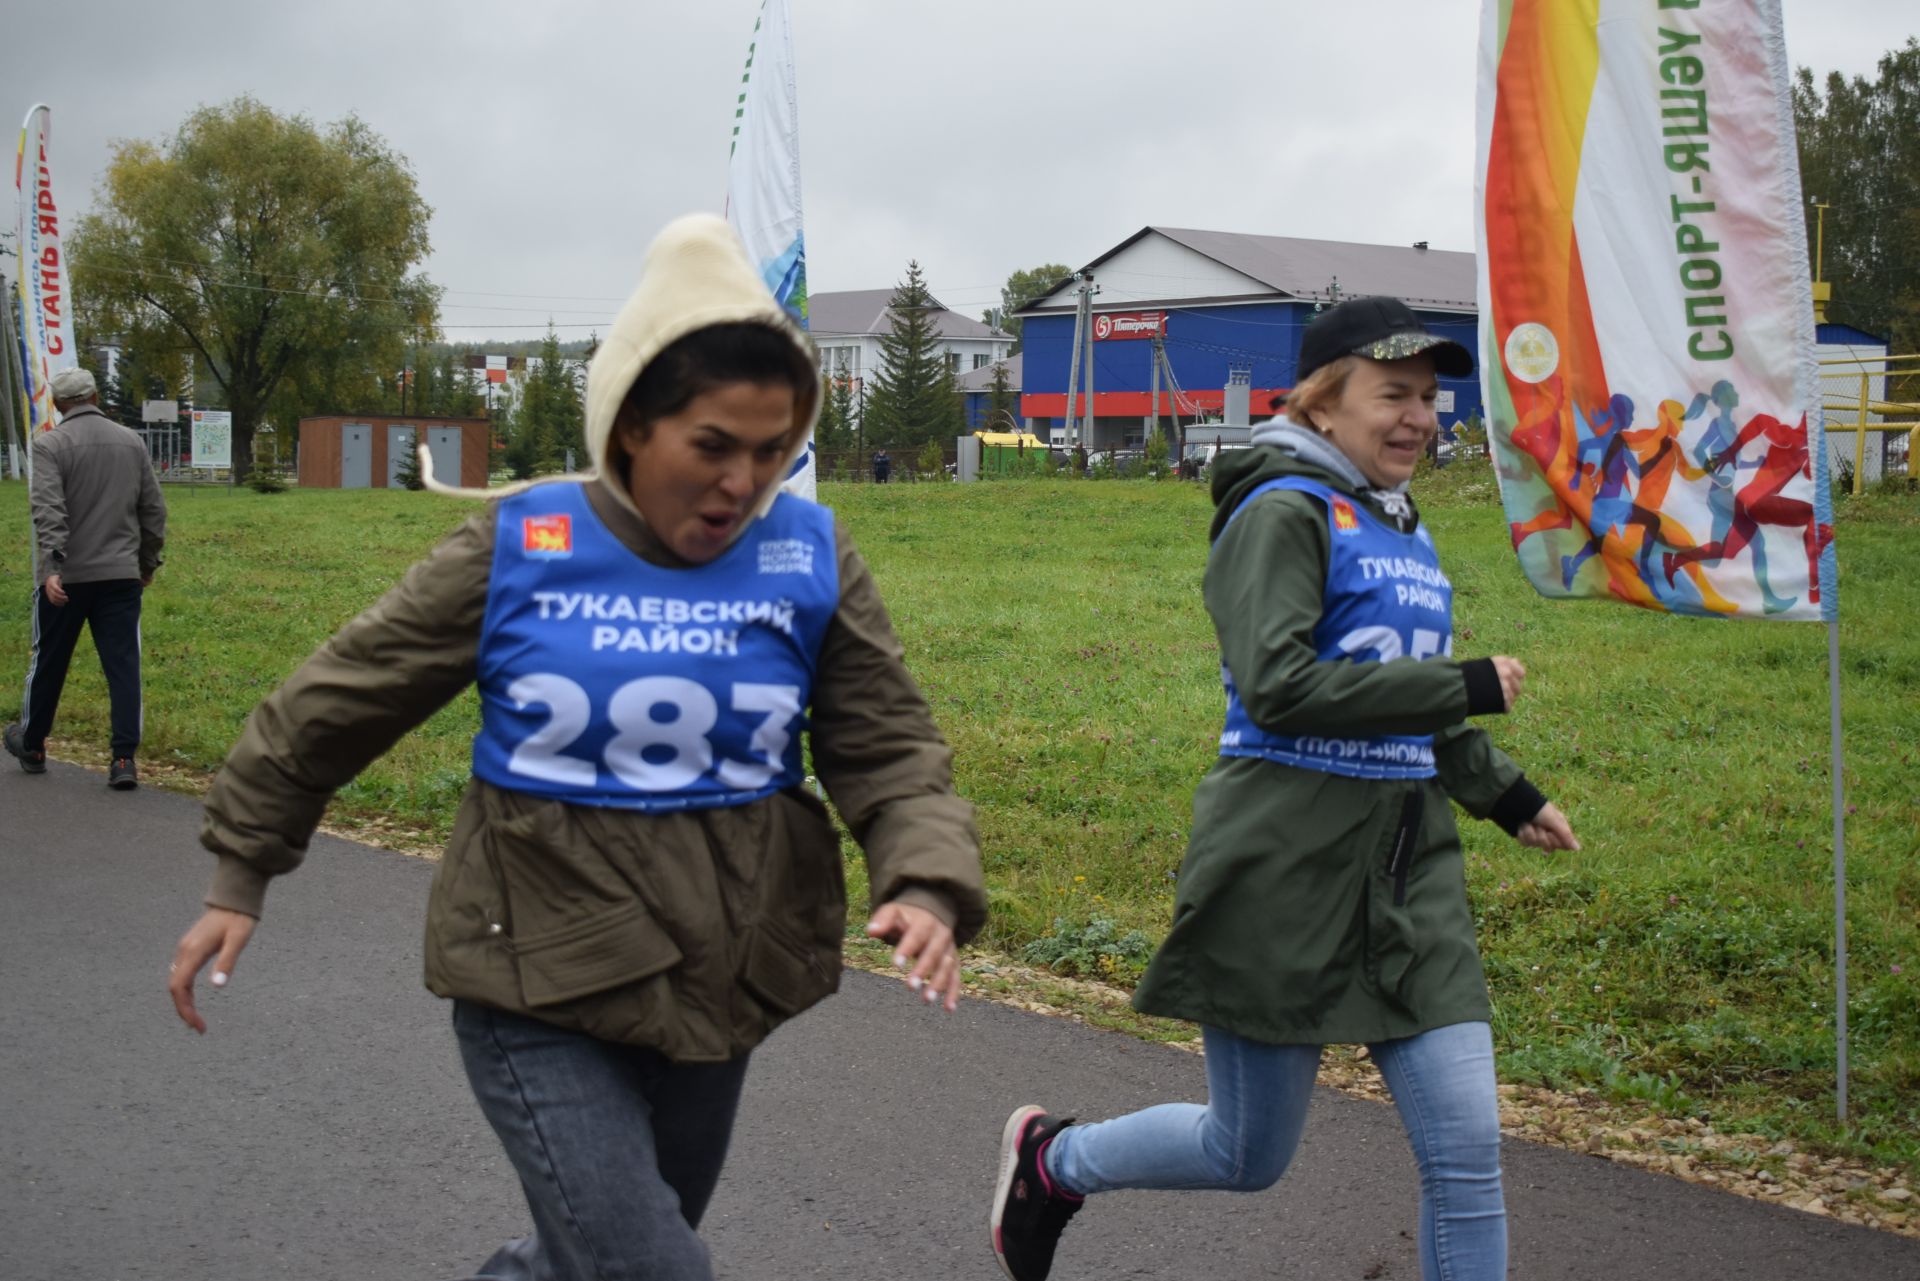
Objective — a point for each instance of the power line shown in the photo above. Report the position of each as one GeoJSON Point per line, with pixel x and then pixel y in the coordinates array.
{"type": "Point", "coordinates": [444, 290]}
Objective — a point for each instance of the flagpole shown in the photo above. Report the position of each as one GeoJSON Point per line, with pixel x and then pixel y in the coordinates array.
{"type": "Point", "coordinates": [1839, 875]}
{"type": "Point", "coordinates": [763, 183]}
{"type": "Point", "coordinates": [16, 336]}
{"type": "Point", "coordinates": [15, 400]}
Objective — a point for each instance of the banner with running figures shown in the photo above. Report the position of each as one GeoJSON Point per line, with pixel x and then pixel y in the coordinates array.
{"type": "Point", "coordinates": [1645, 307]}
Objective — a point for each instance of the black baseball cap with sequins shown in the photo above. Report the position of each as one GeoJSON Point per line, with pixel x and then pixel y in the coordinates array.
{"type": "Point", "coordinates": [1379, 329]}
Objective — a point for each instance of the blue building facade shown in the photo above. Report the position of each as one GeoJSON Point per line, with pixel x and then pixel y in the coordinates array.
{"type": "Point", "coordinates": [1238, 324]}
{"type": "Point", "coordinates": [1206, 346]}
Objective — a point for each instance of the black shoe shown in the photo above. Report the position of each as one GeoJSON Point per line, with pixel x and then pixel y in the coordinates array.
{"type": "Point", "coordinates": [14, 738]}
{"type": "Point", "coordinates": [121, 775]}
{"type": "Point", "coordinates": [1029, 1212]}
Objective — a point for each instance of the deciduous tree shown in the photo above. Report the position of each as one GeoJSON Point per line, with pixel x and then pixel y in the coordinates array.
{"type": "Point", "coordinates": [272, 249]}
{"type": "Point", "coordinates": [1860, 154]}
{"type": "Point", "coordinates": [1023, 287]}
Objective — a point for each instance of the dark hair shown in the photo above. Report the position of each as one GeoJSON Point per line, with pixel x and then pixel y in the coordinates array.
{"type": "Point", "coordinates": [696, 363]}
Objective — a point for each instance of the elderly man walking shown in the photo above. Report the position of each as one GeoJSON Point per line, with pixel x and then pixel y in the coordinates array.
{"type": "Point", "coordinates": [99, 523]}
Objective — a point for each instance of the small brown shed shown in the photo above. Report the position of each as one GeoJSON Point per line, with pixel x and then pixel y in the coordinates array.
{"type": "Point", "coordinates": [363, 451]}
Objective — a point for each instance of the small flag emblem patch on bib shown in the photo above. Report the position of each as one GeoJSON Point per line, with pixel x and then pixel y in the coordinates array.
{"type": "Point", "coordinates": [547, 536]}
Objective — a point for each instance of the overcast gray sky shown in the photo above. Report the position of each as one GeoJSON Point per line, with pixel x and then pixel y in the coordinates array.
{"type": "Point", "coordinates": [553, 139]}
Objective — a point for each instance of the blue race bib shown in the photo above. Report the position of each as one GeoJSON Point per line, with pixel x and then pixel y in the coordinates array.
{"type": "Point", "coordinates": [1385, 598]}
{"type": "Point", "coordinates": [608, 681]}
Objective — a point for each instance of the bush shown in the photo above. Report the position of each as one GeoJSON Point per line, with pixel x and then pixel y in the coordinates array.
{"type": "Point", "coordinates": [1843, 478]}
{"type": "Point", "coordinates": [1096, 949]}
{"type": "Point", "coordinates": [1156, 455]}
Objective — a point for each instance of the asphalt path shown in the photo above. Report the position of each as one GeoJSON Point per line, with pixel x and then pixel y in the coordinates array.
{"type": "Point", "coordinates": [322, 1128]}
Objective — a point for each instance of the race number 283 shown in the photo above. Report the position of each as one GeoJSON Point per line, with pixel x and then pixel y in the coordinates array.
{"type": "Point", "coordinates": [648, 753]}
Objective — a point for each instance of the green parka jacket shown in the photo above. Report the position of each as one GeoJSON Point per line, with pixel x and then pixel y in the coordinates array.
{"type": "Point", "coordinates": [1288, 927]}
{"type": "Point", "coordinates": [693, 933]}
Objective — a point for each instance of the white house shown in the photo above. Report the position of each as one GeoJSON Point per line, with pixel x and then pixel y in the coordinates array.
{"type": "Point", "coordinates": [848, 327]}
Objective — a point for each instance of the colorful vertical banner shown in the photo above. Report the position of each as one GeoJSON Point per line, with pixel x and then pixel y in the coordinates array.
{"type": "Point", "coordinates": [1646, 309]}
{"type": "Point", "coordinates": [46, 324]}
{"type": "Point", "coordinates": [763, 179]}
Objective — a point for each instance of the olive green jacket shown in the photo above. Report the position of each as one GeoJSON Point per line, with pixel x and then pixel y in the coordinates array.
{"type": "Point", "coordinates": [693, 933]}
{"type": "Point", "coordinates": [1288, 927]}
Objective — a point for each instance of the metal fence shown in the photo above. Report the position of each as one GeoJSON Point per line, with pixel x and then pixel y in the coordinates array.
{"type": "Point", "coordinates": [856, 465]}
{"type": "Point", "coordinates": [167, 446]}
{"type": "Point", "coordinates": [1870, 407]}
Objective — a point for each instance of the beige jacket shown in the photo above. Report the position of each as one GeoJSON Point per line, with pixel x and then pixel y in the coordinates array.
{"type": "Point", "coordinates": [694, 933]}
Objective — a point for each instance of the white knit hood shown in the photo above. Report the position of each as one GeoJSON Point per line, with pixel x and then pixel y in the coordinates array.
{"type": "Point", "coordinates": [696, 274]}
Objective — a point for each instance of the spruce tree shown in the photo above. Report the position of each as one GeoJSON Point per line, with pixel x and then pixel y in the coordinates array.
{"type": "Point", "coordinates": [551, 405]}
{"type": "Point", "coordinates": [1003, 407]}
{"type": "Point", "coordinates": [459, 398]}
{"type": "Point", "coordinates": [913, 398]}
{"type": "Point", "coordinates": [829, 427]}
{"type": "Point", "coordinates": [846, 412]}
{"type": "Point", "coordinates": [525, 452]}
{"type": "Point", "coordinates": [406, 472]}
{"type": "Point", "coordinates": [421, 391]}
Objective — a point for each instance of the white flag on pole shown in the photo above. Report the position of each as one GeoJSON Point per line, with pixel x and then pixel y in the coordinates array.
{"type": "Point", "coordinates": [763, 179]}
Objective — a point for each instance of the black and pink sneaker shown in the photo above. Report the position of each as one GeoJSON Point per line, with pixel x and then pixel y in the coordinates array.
{"type": "Point", "coordinates": [1029, 1212]}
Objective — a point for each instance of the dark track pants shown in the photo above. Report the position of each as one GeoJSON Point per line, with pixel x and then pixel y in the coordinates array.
{"type": "Point", "coordinates": [111, 610]}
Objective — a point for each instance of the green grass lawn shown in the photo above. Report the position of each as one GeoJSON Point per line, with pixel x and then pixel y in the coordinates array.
{"type": "Point", "coordinates": [1682, 958]}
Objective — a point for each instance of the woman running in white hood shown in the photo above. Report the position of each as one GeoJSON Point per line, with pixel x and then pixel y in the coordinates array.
{"type": "Point", "coordinates": [638, 887]}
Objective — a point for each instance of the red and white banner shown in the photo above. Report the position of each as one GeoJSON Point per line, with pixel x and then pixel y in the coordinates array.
{"type": "Point", "coordinates": [1112, 326]}
{"type": "Point", "coordinates": [46, 311]}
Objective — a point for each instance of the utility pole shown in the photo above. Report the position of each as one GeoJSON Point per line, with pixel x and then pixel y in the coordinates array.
{"type": "Point", "coordinates": [1073, 366]}
{"type": "Point", "coordinates": [1088, 438]}
{"type": "Point", "coordinates": [1153, 399]}
{"type": "Point", "coordinates": [1822, 291]}
{"type": "Point", "coordinates": [1163, 367]}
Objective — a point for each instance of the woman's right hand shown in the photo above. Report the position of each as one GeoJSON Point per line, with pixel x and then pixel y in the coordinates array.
{"type": "Point", "coordinates": [217, 933]}
{"type": "Point", "coordinates": [1512, 677]}
{"type": "Point", "coordinates": [1549, 830]}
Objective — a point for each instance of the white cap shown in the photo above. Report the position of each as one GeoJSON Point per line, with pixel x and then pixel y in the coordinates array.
{"type": "Point", "coordinates": [73, 384]}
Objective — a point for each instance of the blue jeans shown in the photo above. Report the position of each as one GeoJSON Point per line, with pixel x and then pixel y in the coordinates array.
{"type": "Point", "coordinates": [1442, 1082]}
{"type": "Point", "coordinates": [618, 1149]}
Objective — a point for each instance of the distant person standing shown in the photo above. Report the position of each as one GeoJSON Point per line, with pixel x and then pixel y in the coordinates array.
{"type": "Point", "coordinates": [882, 467]}
{"type": "Point", "coordinates": [99, 523]}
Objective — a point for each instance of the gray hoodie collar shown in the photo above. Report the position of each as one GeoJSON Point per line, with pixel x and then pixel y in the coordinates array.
{"type": "Point", "coordinates": [1312, 448]}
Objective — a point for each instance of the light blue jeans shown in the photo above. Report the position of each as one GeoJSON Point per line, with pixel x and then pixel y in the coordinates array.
{"type": "Point", "coordinates": [1442, 1082]}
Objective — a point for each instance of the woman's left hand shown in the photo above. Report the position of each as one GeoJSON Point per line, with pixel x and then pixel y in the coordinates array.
{"type": "Point", "coordinates": [1548, 831]}
{"type": "Point", "coordinates": [924, 941]}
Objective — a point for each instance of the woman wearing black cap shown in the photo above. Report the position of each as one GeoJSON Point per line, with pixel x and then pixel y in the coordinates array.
{"type": "Point", "coordinates": [1323, 897]}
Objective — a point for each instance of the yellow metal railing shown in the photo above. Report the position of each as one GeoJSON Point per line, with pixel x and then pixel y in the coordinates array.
{"type": "Point", "coordinates": [1890, 415]}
